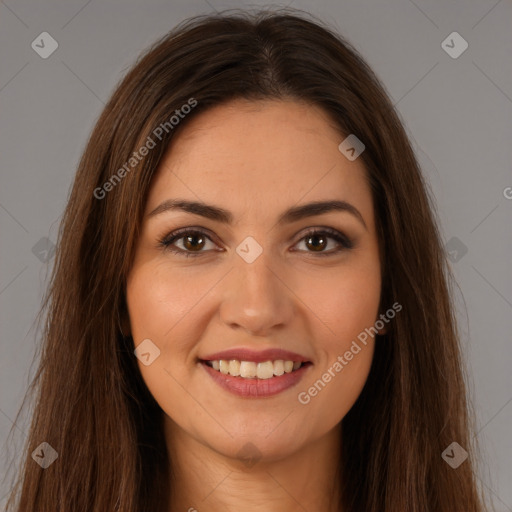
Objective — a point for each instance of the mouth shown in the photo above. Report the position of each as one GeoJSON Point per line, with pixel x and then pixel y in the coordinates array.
{"type": "Point", "coordinates": [255, 370]}
{"type": "Point", "coordinates": [256, 375]}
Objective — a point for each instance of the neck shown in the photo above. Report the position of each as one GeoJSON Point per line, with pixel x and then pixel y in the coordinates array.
{"type": "Point", "coordinates": [203, 479]}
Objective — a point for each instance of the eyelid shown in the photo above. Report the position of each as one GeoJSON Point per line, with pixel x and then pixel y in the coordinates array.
{"type": "Point", "coordinates": [346, 241]}
{"type": "Point", "coordinates": [167, 240]}
{"type": "Point", "coordinates": [341, 238]}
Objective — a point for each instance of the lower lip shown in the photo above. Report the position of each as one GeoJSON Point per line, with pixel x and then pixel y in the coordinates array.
{"type": "Point", "coordinates": [256, 388]}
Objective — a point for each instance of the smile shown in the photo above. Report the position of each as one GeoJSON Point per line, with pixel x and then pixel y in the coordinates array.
{"type": "Point", "coordinates": [251, 369]}
{"type": "Point", "coordinates": [256, 378]}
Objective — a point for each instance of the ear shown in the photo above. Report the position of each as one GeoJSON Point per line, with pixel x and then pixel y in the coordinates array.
{"type": "Point", "coordinates": [125, 326]}
{"type": "Point", "coordinates": [382, 331]}
{"type": "Point", "coordinates": [124, 319]}
{"type": "Point", "coordinates": [381, 324]}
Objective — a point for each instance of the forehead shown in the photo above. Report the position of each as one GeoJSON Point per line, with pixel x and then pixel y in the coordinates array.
{"type": "Point", "coordinates": [256, 158]}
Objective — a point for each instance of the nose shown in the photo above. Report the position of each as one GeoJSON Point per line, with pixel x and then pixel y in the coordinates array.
{"type": "Point", "coordinates": [256, 298]}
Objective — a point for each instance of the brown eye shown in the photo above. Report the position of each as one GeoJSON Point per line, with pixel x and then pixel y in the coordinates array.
{"type": "Point", "coordinates": [317, 241]}
{"type": "Point", "coordinates": [194, 242]}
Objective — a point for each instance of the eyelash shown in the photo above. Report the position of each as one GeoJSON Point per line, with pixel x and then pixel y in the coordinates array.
{"type": "Point", "coordinates": [167, 241]}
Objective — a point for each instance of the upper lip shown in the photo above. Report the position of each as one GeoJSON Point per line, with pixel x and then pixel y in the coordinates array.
{"type": "Point", "coordinates": [258, 356]}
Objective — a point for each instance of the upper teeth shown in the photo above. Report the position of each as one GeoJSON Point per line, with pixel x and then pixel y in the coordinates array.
{"type": "Point", "coordinates": [250, 369]}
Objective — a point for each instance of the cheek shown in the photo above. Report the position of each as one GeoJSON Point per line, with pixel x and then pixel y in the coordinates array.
{"type": "Point", "coordinates": [337, 381]}
{"type": "Point", "coordinates": [349, 307]}
{"type": "Point", "coordinates": [160, 307]}
{"type": "Point", "coordinates": [157, 306]}
{"type": "Point", "coordinates": [159, 300]}
{"type": "Point", "coordinates": [339, 385]}
{"type": "Point", "coordinates": [347, 302]}
{"type": "Point", "coordinates": [164, 307]}
{"type": "Point", "coordinates": [171, 309]}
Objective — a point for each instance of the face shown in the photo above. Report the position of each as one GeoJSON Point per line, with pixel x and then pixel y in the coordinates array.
{"type": "Point", "coordinates": [243, 281]}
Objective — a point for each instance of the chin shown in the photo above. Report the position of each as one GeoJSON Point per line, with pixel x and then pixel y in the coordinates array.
{"type": "Point", "coordinates": [250, 452]}
{"type": "Point", "coordinates": [258, 441]}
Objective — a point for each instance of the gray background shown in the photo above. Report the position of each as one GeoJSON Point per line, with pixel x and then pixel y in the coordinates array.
{"type": "Point", "coordinates": [457, 113]}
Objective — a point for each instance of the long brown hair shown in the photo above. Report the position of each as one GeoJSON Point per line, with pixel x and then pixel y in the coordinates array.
{"type": "Point", "coordinates": [92, 405]}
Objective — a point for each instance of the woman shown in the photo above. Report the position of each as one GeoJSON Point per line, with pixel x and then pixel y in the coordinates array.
{"type": "Point", "coordinates": [250, 303]}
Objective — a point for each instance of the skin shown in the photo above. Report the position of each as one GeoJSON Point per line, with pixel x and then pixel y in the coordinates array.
{"type": "Point", "coordinates": [255, 159]}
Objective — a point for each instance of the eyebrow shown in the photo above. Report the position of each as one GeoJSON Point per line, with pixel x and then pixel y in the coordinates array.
{"type": "Point", "coordinates": [291, 215]}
